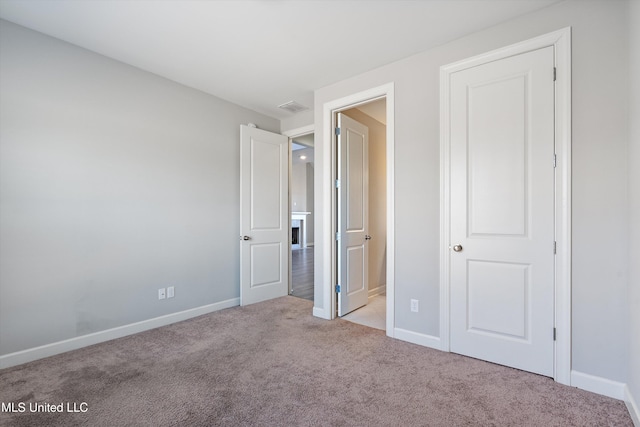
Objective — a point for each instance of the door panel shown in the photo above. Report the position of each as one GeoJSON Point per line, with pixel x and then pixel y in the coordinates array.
{"type": "Point", "coordinates": [353, 215]}
{"type": "Point", "coordinates": [498, 298]}
{"type": "Point", "coordinates": [264, 215]}
{"type": "Point", "coordinates": [497, 179]}
{"type": "Point", "coordinates": [502, 211]}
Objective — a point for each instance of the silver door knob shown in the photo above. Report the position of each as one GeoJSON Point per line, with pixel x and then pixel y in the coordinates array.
{"type": "Point", "coordinates": [246, 238]}
{"type": "Point", "coordinates": [457, 248]}
{"type": "Point", "coordinates": [367, 237]}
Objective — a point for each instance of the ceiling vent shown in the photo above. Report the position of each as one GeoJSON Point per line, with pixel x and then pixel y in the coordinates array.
{"type": "Point", "coordinates": [293, 107]}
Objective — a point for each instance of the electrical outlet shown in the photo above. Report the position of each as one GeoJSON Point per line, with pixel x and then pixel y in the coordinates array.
{"type": "Point", "coordinates": [170, 292]}
{"type": "Point", "coordinates": [161, 293]}
{"type": "Point", "coordinates": [414, 305]}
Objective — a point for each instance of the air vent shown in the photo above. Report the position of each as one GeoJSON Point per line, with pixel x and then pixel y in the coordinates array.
{"type": "Point", "coordinates": [293, 107]}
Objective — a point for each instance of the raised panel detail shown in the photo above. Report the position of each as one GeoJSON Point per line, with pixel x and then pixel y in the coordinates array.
{"type": "Point", "coordinates": [355, 269]}
{"type": "Point", "coordinates": [497, 156]}
{"type": "Point", "coordinates": [355, 180]}
{"type": "Point", "coordinates": [266, 187]}
{"type": "Point", "coordinates": [265, 264]}
{"type": "Point", "coordinates": [498, 298]}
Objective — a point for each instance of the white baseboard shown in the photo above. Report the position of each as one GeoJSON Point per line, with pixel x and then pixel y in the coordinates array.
{"type": "Point", "coordinates": [417, 338]}
{"type": "Point", "coordinates": [321, 313]}
{"type": "Point", "coordinates": [377, 291]}
{"type": "Point", "coordinates": [632, 406]}
{"type": "Point", "coordinates": [52, 349]}
{"type": "Point", "coordinates": [598, 385]}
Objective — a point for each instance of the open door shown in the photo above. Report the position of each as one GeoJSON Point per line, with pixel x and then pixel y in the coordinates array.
{"type": "Point", "coordinates": [353, 214]}
{"type": "Point", "coordinates": [264, 215]}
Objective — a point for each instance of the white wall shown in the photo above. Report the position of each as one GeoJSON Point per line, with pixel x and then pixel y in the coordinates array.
{"type": "Point", "coordinates": [114, 182]}
{"type": "Point", "coordinates": [634, 198]}
{"type": "Point", "coordinates": [299, 120]}
{"type": "Point", "coordinates": [600, 134]}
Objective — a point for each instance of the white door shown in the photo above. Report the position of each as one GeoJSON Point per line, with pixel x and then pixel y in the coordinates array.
{"type": "Point", "coordinates": [353, 214]}
{"type": "Point", "coordinates": [264, 215]}
{"type": "Point", "coordinates": [502, 211]}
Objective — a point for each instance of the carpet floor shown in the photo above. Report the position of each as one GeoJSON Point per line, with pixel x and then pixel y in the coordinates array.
{"type": "Point", "coordinates": [273, 364]}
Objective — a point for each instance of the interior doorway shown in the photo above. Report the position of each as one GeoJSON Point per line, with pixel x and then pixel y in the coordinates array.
{"type": "Point", "coordinates": [361, 262]}
{"type": "Point", "coordinates": [301, 200]}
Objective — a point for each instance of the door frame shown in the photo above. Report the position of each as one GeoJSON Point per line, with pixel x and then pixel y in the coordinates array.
{"type": "Point", "coordinates": [327, 258]}
{"type": "Point", "coordinates": [561, 41]}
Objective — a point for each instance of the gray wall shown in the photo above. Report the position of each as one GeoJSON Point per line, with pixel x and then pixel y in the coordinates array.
{"type": "Point", "coordinates": [114, 182]}
{"type": "Point", "coordinates": [600, 134]}
{"type": "Point", "coordinates": [634, 197]}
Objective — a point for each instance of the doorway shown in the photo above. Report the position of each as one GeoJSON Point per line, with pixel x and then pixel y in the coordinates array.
{"type": "Point", "coordinates": [301, 193]}
{"type": "Point", "coordinates": [362, 297]}
{"type": "Point", "coordinates": [519, 315]}
{"type": "Point", "coordinates": [325, 305]}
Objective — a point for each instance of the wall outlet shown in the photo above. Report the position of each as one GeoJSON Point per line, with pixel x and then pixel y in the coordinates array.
{"type": "Point", "coordinates": [414, 305]}
{"type": "Point", "coordinates": [161, 293]}
{"type": "Point", "coordinates": [170, 292]}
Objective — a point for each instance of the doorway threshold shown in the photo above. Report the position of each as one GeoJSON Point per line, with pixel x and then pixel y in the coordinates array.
{"type": "Point", "coordinates": [373, 315]}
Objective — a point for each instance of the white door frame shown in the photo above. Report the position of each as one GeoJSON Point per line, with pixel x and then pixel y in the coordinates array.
{"type": "Point", "coordinates": [326, 259]}
{"type": "Point", "coordinates": [561, 41]}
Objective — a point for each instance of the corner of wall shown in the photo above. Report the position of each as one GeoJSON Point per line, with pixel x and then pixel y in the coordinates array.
{"type": "Point", "coordinates": [632, 406]}
{"type": "Point", "coordinates": [632, 391]}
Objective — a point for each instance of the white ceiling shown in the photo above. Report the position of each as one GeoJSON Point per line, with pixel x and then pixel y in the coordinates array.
{"type": "Point", "coordinates": [261, 53]}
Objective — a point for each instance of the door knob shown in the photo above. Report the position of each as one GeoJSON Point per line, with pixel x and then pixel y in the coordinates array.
{"type": "Point", "coordinates": [246, 238]}
{"type": "Point", "coordinates": [367, 237]}
{"type": "Point", "coordinates": [457, 248]}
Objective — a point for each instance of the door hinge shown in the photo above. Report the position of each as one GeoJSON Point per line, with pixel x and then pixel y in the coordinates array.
{"type": "Point", "coordinates": [337, 131]}
{"type": "Point", "coordinates": [554, 334]}
{"type": "Point", "coordinates": [338, 289]}
{"type": "Point", "coordinates": [337, 236]}
{"type": "Point", "coordinates": [337, 183]}
{"type": "Point", "coordinates": [555, 160]}
{"type": "Point", "coordinates": [555, 248]}
{"type": "Point", "coordinates": [555, 73]}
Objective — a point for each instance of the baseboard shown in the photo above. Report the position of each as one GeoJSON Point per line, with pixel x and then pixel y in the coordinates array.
{"type": "Point", "coordinates": [598, 385]}
{"type": "Point", "coordinates": [321, 313]}
{"type": "Point", "coordinates": [52, 349]}
{"type": "Point", "coordinates": [380, 290]}
{"type": "Point", "coordinates": [417, 338]}
{"type": "Point", "coordinates": [632, 406]}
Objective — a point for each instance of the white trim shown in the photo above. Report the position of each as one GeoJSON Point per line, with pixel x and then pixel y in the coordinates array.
{"type": "Point", "coordinates": [52, 349]}
{"type": "Point", "coordinates": [321, 313]}
{"type": "Point", "coordinates": [561, 41]}
{"type": "Point", "coordinates": [304, 130]}
{"type": "Point", "coordinates": [327, 151]}
{"type": "Point", "coordinates": [632, 406]}
{"type": "Point", "coordinates": [417, 338]}
{"type": "Point", "coordinates": [598, 385]}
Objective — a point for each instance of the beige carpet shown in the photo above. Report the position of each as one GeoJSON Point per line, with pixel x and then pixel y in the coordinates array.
{"type": "Point", "coordinates": [273, 364]}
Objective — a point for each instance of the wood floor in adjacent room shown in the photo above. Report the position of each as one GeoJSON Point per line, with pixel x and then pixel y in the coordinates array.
{"type": "Point", "coordinates": [302, 273]}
